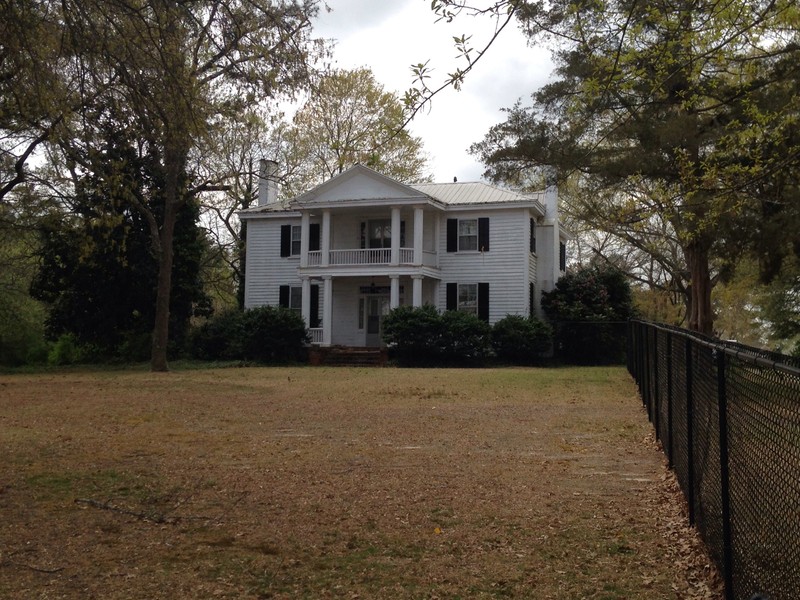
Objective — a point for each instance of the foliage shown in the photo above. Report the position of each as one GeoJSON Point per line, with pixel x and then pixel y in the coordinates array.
{"type": "Point", "coordinates": [668, 131]}
{"type": "Point", "coordinates": [264, 334]}
{"type": "Point", "coordinates": [588, 309]}
{"type": "Point", "coordinates": [168, 72]}
{"type": "Point", "coordinates": [97, 274]}
{"type": "Point", "coordinates": [425, 337]}
{"type": "Point", "coordinates": [521, 340]}
{"type": "Point", "coordinates": [67, 350]}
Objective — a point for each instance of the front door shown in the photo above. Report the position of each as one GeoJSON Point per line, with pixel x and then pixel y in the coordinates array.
{"type": "Point", "coordinates": [375, 308]}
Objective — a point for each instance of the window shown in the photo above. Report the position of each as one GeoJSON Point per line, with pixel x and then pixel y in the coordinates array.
{"type": "Point", "coordinates": [291, 297]}
{"type": "Point", "coordinates": [468, 235]}
{"type": "Point", "coordinates": [378, 233]}
{"type": "Point", "coordinates": [296, 233]}
{"type": "Point", "coordinates": [468, 298]}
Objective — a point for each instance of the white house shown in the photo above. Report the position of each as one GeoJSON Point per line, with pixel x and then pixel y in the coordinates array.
{"type": "Point", "coordinates": [360, 244]}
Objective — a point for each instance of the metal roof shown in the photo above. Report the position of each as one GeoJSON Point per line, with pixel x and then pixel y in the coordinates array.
{"type": "Point", "coordinates": [474, 193]}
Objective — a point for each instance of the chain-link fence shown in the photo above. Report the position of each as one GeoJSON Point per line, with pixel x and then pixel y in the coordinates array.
{"type": "Point", "coordinates": [728, 417]}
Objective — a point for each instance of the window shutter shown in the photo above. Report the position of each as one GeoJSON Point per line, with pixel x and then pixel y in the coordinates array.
{"type": "Point", "coordinates": [283, 296]}
{"type": "Point", "coordinates": [286, 240]}
{"type": "Point", "coordinates": [483, 301]}
{"type": "Point", "coordinates": [533, 236]}
{"type": "Point", "coordinates": [452, 235]}
{"type": "Point", "coordinates": [314, 316]}
{"type": "Point", "coordinates": [562, 256]}
{"type": "Point", "coordinates": [483, 234]}
{"type": "Point", "coordinates": [313, 237]}
{"type": "Point", "coordinates": [402, 234]}
{"type": "Point", "coordinates": [363, 235]}
{"type": "Point", "coordinates": [531, 312]}
{"type": "Point", "coordinates": [452, 296]}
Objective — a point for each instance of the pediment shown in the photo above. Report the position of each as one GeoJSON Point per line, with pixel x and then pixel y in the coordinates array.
{"type": "Point", "coordinates": [358, 183]}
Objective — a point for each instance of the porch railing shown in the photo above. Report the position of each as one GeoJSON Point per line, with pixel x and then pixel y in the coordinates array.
{"type": "Point", "coordinates": [315, 333]}
{"type": "Point", "coordinates": [368, 256]}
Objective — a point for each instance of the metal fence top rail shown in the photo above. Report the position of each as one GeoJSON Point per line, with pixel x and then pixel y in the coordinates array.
{"type": "Point", "coordinates": [740, 352]}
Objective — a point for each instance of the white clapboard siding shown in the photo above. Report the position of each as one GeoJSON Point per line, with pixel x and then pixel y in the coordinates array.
{"type": "Point", "coordinates": [504, 266]}
{"type": "Point", "coordinates": [266, 269]}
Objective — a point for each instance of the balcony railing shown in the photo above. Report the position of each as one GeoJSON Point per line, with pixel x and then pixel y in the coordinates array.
{"type": "Point", "coordinates": [368, 256]}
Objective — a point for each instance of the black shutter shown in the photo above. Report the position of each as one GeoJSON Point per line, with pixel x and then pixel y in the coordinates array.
{"type": "Point", "coordinates": [314, 316]}
{"type": "Point", "coordinates": [286, 240]}
{"type": "Point", "coordinates": [562, 256]}
{"type": "Point", "coordinates": [402, 234]}
{"type": "Point", "coordinates": [530, 300]}
{"type": "Point", "coordinates": [363, 235]}
{"type": "Point", "coordinates": [483, 234]}
{"type": "Point", "coordinates": [452, 235]}
{"type": "Point", "coordinates": [452, 296]}
{"type": "Point", "coordinates": [533, 236]}
{"type": "Point", "coordinates": [283, 296]}
{"type": "Point", "coordinates": [483, 301]}
{"type": "Point", "coordinates": [313, 237]}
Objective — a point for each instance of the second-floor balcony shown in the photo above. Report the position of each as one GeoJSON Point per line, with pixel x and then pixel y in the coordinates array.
{"type": "Point", "coordinates": [370, 256]}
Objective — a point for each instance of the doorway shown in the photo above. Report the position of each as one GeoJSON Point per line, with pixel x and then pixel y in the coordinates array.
{"type": "Point", "coordinates": [375, 308]}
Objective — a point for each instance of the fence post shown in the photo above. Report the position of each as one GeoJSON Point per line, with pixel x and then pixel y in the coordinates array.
{"type": "Point", "coordinates": [689, 430]}
{"type": "Point", "coordinates": [727, 547]}
{"type": "Point", "coordinates": [669, 398]}
{"type": "Point", "coordinates": [656, 399]}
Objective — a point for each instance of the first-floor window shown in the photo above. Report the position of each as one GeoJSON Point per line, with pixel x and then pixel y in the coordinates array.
{"type": "Point", "coordinates": [468, 298]}
{"type": "Point", "coordinates": [291, 297]}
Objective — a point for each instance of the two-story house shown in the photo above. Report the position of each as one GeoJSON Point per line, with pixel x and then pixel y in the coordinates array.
{"type": "Point", "coordinates": [348, 251]}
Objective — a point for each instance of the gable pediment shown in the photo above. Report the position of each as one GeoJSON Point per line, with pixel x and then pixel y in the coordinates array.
{"type": "Point", "coordinates": [357, 184]}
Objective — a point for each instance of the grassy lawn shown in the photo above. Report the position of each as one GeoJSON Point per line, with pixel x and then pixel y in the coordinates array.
{"type": "Point", "coordinates": [338, 483]}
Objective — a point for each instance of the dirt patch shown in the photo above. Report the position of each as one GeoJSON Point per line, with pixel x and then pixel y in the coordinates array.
{"type": "Point", "coordinates": [345, 483]}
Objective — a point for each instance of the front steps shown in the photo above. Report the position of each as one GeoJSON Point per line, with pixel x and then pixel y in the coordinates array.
{"type": "Point", "coordinates": [348, 356]}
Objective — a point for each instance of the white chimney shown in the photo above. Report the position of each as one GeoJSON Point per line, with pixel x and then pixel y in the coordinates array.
{"type": "Point", "coordinates": [267, 182]}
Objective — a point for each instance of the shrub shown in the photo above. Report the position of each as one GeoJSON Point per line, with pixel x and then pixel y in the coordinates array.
{"type": "Point", "coordinates": [219, 338]}
{"type": "Point", "coordinates": [273, 335]}
{"type": "Point", "coordinates": [521, 341]}
{"type": "Point", "coordinates": [414, 334]}
{"type": "Point", "coordinates": [466, 339]}
{"type": "Point", "coordinates": [588, 309]}
{"type": "Point", "coordinates": [424, 337]}
{"type": "Point", "coordinates": [66, 351]}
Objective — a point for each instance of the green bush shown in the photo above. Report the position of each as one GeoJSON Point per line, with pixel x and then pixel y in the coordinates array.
{"type": "Point", "coordinates": [219, 338]}
{"type": "Point", "coordinates": [273, 335]}
{"type": "Point", "coordinates": [265, 334]}
{"type": "Point", "coordinates": [589, 309]}
{"type": "Point", "coordinates": [66, 351]}
{"type": "Point", "coordinates": [424, 337]}
{"type": "Point", "coordinates": [521, 341]}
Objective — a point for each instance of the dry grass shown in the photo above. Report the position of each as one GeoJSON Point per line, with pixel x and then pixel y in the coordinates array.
{"type": "Point", "coordinates": [338, 483]}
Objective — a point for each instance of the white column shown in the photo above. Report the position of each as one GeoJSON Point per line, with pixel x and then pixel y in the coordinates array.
{"type": "Point", "coordinates": [395, 236]}
{"type": "Point", "coordinates": [418, 231]}
{"type": "Point", "coordinates": [394, 295]}
{"type": "Point", "coordinates": [327, 311]}
{"type": "Point", "coordinates": [305, 309]}
{"type": "Point", "coordinates": [325, 245]}
{"type": "Point", "coordinates": [305, 222]}
{"type": "Point", "coordinates": [417, 295]}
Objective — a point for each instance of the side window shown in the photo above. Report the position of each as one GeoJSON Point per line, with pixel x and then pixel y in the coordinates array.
{"type": "Point", "coordinates": [468, 298]}
{"type": "Point", "coordinates": [291, 297]}
{"type": "Point", "coordinates": [467, 234]}
{"type": "Point", "coordinates": [296, 232]}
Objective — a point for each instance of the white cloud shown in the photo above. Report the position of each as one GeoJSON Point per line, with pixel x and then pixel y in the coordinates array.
{"type": "Point", "coordinates": [389, 36]}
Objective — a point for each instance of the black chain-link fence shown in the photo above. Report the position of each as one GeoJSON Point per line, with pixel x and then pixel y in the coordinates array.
{"type": "Point", "coordinates": [728, 417]}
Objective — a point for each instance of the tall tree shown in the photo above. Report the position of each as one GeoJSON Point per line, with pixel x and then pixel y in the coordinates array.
{"type": "Point", "coordinates": [170, 71]}
{"type": "Point", "coordinates": [350, 118]}
{"type": "Point", "coordinates": [661, 98]}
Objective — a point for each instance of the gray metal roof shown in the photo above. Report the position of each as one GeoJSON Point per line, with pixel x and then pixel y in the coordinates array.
{"type": "Point", "coordinates": [474, 193]}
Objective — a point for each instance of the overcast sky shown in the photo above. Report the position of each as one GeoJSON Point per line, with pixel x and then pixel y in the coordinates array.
{"type": "Point", "coordinates": [388, 36]}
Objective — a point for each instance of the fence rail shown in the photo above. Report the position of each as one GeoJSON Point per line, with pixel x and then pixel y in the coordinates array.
{"type": "Point", "coordinates": [728, 418]}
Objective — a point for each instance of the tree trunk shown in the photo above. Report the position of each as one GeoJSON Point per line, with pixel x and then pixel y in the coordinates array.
{"type": "Point", "coordinates": [174, 161]}
{"type": "Point", "coordinates": [701, 316]}
{"type": "Point", "coordinates": [158, 356]}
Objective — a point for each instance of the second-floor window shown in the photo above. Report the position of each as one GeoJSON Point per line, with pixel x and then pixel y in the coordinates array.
{"type": "Point", "coordinates": [296, 233]}
{"type": "Point", "coordinates": [468, 235]}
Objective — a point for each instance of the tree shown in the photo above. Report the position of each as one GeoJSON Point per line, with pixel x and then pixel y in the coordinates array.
{"type": "Point", "coordinates": [96, 272]}
{"type": "Point", "coordinates": [589, 309]}
{"type": "Point", "coordinates": [652, 111]}
{"type": "Point", "coordinates": [350, 119]}
{"type": "Point", "coordinates": [168, 71]}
